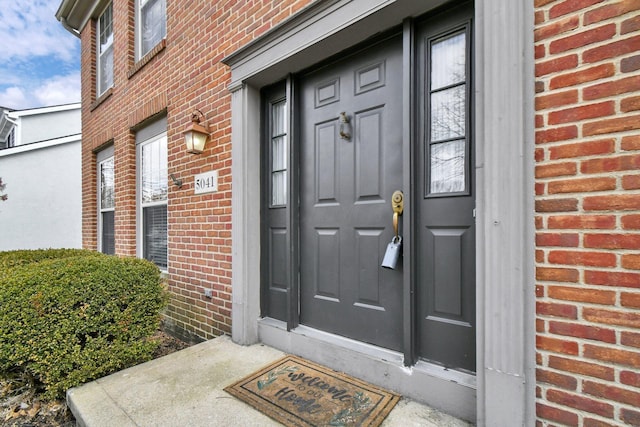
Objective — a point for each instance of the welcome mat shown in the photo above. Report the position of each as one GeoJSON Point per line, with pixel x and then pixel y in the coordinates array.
{"type": "Point", "coordinates": [297, 392]}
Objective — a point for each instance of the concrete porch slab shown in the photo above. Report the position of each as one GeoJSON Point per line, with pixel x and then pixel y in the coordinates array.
{"type": "Point", "coordinates": [186, 389]}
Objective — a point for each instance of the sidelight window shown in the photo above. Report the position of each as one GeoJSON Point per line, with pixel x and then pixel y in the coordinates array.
{"type": "Point", "coordinates": [279, 150]}
{"type": "Point", "coordinates": [448, 105]}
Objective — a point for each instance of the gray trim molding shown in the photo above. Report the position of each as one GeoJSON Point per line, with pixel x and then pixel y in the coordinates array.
{"type": "Point", "coordinates": [245, 217]}
{"type": "Point", "coordinates": [151, 128]}
{"type": "Point", "coordinates": [505, 394]}
{"type": "Point", "coordinates": [505, 241]}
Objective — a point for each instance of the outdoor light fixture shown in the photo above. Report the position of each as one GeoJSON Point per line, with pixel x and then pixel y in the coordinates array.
{"type": "Point", "coordinates": [196, 135]}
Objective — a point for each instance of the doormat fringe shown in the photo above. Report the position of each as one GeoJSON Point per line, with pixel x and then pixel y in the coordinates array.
{"type": "Point", "coordinates": [297, 392]}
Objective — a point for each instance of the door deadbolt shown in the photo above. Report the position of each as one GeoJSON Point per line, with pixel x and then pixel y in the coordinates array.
{"type": "Point", "coordinates": [397, 202]}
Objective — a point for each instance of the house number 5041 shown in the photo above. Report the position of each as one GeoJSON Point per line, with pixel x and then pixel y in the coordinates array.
{"type": "Point", "coordinates": [206, 182]}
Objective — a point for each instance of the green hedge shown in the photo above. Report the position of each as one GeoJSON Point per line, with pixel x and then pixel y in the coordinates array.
{"type": "Point", "coordinates": [70, 320]}
{"type": "Point", "coordinates": [10, 259]}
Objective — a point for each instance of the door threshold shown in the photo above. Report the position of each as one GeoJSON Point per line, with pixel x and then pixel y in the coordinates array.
{"type": "Point", "coordinates": [450, 391]}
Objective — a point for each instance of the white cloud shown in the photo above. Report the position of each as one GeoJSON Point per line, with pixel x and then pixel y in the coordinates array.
{"type": "Point", "coordinates": [29, 28]}
{"type": "Point", "coordinates": [59, 90]}
{"type": "Point", "coordinates": [39, 59]}
{"type": "Point", "coordinates": [14, 97]}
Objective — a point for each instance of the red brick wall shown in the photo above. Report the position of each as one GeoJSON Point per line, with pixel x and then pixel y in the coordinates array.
{"type": "Point", "coordinates": [588, 212]}
{"type": "Point", "coordinates": [182, 74]}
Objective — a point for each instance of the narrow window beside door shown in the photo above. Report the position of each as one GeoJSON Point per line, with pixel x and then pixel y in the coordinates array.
{"type": "Point", "coordinates": [279, 150]}
{"type": "Point", "coordinates": [448, 106]}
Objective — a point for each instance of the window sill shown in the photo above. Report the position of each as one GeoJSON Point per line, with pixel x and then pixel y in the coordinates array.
{"type": "Point", "coordinates": [148, 57]}
{"type": "Point", "coordinates": [101, 99]}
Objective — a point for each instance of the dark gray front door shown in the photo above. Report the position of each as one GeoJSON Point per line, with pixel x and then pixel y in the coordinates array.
{"type": "Point", "coordinates": [348, 172]}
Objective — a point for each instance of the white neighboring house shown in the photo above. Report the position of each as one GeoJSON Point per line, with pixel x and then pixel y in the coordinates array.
{"type": "Point", "coordinates": [40, 162]}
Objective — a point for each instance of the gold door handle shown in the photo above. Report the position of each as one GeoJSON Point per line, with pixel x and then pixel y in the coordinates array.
{"type": "Point", "coordinates": [397, 204]}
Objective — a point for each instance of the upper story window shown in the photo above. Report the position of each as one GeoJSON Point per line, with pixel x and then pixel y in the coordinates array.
{"type": "Point", "coordinates": [105, 50]}
{"type": "Point", "coordinates": [151, 25]}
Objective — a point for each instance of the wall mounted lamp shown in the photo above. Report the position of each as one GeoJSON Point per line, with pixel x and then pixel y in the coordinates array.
{"type": "Point", "coordinates": [196, 135]}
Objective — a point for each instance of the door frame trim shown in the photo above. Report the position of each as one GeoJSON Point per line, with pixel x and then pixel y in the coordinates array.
{"type": "Point", "coordinates": [409, 132]}
{"type": "Point", "coordinates": [504, 131]}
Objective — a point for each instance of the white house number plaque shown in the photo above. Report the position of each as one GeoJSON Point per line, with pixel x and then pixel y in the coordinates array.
{"type": "Point", "coordinates": [206, 182]}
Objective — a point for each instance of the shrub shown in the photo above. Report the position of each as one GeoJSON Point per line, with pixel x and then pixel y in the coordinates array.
{"type": "Point", "coordinates": [71, 320]}
{"type": "Point", "coordinates": [17, 258]}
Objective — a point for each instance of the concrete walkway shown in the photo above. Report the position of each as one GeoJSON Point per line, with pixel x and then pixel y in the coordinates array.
{"type": "Point", "coordinates": [186, 389]}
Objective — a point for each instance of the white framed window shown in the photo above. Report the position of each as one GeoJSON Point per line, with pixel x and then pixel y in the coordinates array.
{"type": "Point", "coordinates": [106, 202]}
{"type": "Point", "coordinates": [153, 189]}
{"type": "Point", "coordinates": [105, 50]}
{"type": "Point", "coordinates": [151, 25]}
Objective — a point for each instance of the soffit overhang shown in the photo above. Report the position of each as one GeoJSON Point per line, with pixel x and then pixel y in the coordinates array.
{"type": "Point", "coordinates": [75, 14]}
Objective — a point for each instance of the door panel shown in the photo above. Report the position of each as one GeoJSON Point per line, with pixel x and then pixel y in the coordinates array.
{"type": "Point", "coordinates": [326, 281]}
{"type": "Point", "coordinates": [277, 258]}
{"type": "Point", "coordinates": [369, 244]}
{"type": "Point", "coordinates": [345, 190]}
{"type": "Point", "coordinates": [369, 155]}
{"type": "Point", "coordinates": [326, 179]}
{"type": "Point", "coordinates": [445, 272]}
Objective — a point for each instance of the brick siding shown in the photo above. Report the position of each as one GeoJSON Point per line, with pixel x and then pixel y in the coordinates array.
{"type": "Point", "coordinates": [587, 179]}
{"type": "Point", "coordinates": [182, 73]}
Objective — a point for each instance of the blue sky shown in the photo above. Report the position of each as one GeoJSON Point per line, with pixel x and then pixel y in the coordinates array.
{"type": "Point", "coordinates": [39, 59]}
